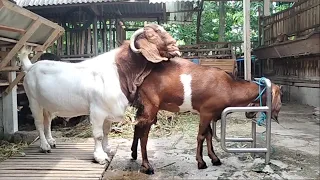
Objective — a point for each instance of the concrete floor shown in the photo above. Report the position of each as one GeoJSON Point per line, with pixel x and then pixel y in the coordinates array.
{"type": "Point", "coordinates": [295, 155]}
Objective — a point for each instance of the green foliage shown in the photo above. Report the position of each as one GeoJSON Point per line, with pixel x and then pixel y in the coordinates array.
{"type": "Point", "coordinates": [209, 30]}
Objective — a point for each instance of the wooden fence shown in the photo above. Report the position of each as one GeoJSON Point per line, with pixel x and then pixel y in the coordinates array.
{"type": "Point", "coordinates": [79, 45]}
{"type": "Point", "coordinates": [299, 20]}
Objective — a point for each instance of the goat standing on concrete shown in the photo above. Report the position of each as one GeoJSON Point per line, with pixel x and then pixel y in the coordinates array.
{"type": "Point", "coordinates": [101, 87]}
{"type": "Point", "coordinates": [180, 85]}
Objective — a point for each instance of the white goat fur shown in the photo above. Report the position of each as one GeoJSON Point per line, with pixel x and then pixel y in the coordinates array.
{"type": "Point", "coordinates": [91, 87]}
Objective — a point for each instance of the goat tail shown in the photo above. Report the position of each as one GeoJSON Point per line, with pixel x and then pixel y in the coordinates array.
{"type": "Point", "coordinates": [24, 58]}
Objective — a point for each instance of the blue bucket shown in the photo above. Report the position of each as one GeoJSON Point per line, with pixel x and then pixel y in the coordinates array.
{"type": "Point", "coordinates": [195, 61]}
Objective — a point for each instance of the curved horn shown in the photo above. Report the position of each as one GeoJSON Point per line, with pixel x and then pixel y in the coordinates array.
{"type": "Point", "coordinates": [133, 38]}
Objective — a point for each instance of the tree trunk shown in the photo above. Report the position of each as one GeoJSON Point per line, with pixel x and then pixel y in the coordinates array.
{"type": "Point", "coordinates": [222, 21]}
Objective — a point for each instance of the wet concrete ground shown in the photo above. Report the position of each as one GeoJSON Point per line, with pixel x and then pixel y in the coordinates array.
{"type": "Point", "coordinates": [295, 144]}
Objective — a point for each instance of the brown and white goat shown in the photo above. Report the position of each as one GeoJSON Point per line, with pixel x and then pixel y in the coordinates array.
{"type": "Point", "coordinates": [179, 85]}
{"type": "Point", "coordinates": [101, 87]}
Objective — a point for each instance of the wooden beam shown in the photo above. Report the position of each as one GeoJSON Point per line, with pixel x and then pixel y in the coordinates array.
{"type": "Point", "coordinates": [95, 36]}
{"type": "Point", "coordinates": [20, 43]}
{"type": "Point", "coordinates": [266, 7]}
{"type": "Point", "coordinates": [95, 9]}
{"type": "Point", "coordinates": [13, 7]}
{"type": "Point", "coordinates": [52, 38]}
{"type": "Point", "coordinates": [182, 11]}
{"type": "Point", "coordinates": [246, 38]}
{"type": "Point", "coordinates": [12, 29]}
{"type": "Point", "coordinates": [10, 68]}
{"type": "Point", "coordinates": [15, 41]}
{"type": "Point", "coordinates": [199, 20]}
{"type": "Point", "coordinates": [110, 36]}
{"type": "Point", "coordinates": [164, 20]}
{"type": "Point", "coordinates": [55, 35]}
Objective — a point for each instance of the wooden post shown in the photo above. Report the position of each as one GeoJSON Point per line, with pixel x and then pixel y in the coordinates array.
{"type": "Point", "coordinates": [199, 21]}
{"type": "Point", "coordinates": [164, 20]}
{"type": "Point", "coordinates": [10, 113]}
{"type": "Point", "coordinates": [95, 36]}
{"type": "Point", "coordinates": [260, 36]}
{"type": "Point", "coordinates": [266, 7]}
{"type": "Point", "coordinates": [89, 41]}
{"type": "Point", "coordinates": [110, 35]}
{"type": "Point", "coordinates": [246, 39]}
{"type": "Point", "coordinates": [104, 35]}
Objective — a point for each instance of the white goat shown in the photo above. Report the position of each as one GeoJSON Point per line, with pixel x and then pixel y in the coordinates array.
{"type": "Point", "coordinates": [68, 90]}
{"type": "Point", "coordinates": [93, 87]}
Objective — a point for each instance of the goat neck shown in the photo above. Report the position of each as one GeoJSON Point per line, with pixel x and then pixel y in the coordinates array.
{"type": "Point", "coordinates": [244, 92]}
{"type": "Point", "coordinates": [132, 69]}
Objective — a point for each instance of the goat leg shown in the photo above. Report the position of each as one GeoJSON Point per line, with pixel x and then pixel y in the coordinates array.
{"type": "Point", "coordinates": [136, 136]}
{"type": "Point", "coordinates": [135, 141]}
{"type": "Point", "coordinates": [205, 119]}
{"type": "Point", "coordinates": [146, 167]}
{"type": "Point", "coordinates": [214, 159]}
{"type": "Point", "coordinates": [47, 129]}
{"type": "Point", "coordinates": [38, 115]}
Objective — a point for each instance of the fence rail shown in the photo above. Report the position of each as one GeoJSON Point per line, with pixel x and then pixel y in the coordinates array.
{"type": "Point", "coordinates": [299, 20]}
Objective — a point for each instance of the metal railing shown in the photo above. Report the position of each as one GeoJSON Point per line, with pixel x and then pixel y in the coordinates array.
{"type": "Point", "coordinates": [252, 139]}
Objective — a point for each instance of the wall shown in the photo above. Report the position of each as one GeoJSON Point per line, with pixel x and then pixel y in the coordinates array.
{"type": "Point", "coordinates": [299, 77]}
{"type": "Point", "coordinates": [303, 95]}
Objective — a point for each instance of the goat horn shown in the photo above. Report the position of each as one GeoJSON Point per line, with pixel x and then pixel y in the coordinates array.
{"type": "Point", "coordinates": [133, 38]}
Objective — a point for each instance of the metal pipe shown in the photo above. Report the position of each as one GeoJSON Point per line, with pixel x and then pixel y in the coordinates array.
{"type": "Point", "coordinates": [246, 150]}
{"type": "Point", "coordinates": [268, 123]}
{"type": "Point", "coordinates": [254, 136]}
{"type": "Point", "coordinates": [236, 139]}
{"type": "Point", "coordinates": [215, 136]}
{"type": "Point", "coordinates": [253, 148]}
{"type": "Point", "coordinates": [244, 109]}
{"type": "Point", "coordinates": [239, 139]}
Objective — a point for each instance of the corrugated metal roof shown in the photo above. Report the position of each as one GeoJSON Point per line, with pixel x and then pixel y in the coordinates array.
{"type": "Point", "coordinates": [24, 3]}
{"type": "Point", "coordinates": [133, 9]}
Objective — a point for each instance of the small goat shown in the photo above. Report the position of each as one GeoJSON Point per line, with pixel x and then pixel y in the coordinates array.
{"type": "Point", "coordinates": [101, 87]}
{"type": "Point", "coordinates": [179, 85]}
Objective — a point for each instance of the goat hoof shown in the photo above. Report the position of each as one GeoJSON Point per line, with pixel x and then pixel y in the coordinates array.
{"type": "Point", "coordinates": [134, 155]}
{"type": "Point", "coordinates": [53, 146]}
{"type": "Point", "coordinates": [216, 163]}
{"type": "Point", "coordinates": [202, 165]}
{"type": "Point", "coordinates": [45, 151]}
{"type": "Point", "coordinates": [101, 157]}
{"type": "Point", "coordinates": [146, 170]}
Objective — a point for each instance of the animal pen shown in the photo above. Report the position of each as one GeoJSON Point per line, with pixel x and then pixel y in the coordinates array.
{"type": "Point", "coordinates": [18, 27]}
{"type": "Point", "coordinates": [290, 53]}
{"type": "Point", "coordinates": [94, 28]}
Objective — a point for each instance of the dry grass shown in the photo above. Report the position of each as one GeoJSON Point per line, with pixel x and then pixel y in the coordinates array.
{"type": "Point", "coordinates": [167, 124]}
{"type": "Point", "coordinates": [9, 149]}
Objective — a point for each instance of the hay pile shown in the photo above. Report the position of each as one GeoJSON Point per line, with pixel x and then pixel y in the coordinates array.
{"type": "Point", "coordinates": [8, 149]}
{"type": "Point", "coordinates": [167, 124]}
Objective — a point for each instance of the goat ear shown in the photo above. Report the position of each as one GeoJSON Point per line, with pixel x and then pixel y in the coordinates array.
{"type": "Point", "coordinates": [150, 51]}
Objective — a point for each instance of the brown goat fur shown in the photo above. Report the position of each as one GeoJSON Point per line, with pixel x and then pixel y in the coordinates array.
{"type": "Point", "coordinates": [211, 90]}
